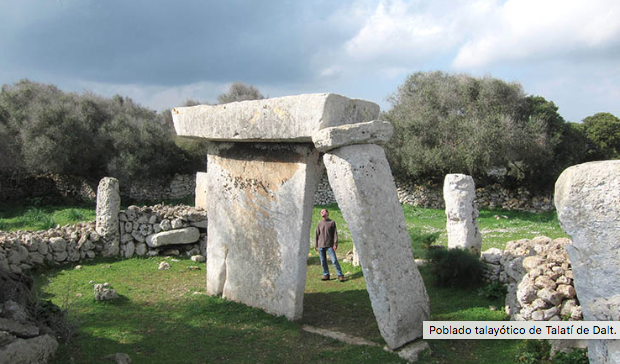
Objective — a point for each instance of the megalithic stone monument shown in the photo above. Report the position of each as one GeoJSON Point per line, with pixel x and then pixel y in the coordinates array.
{"type": "Point", "coordinates": [587, 198]}
{"type": "Point", "coordinates": [264, 165]}
{"type": "Point", "coordinates": [459, 193]}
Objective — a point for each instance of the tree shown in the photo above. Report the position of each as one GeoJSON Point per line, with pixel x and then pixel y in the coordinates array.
{"type": "Point", "coordinates": [603, 133]}
{"type": "Point", "coordinates": [455, 123]}
{"type": "Point", "coordinates": [239, 91]}
{"type": "Point", "coordinates": [45, 130]}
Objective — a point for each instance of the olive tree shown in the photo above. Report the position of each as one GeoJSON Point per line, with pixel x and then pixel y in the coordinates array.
{"type": "Point", "coordinates": [456, 123]}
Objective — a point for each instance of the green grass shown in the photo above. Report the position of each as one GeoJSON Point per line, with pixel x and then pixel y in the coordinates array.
{"type": "Point", "coordinates": [35, 216]}
{"type": "Point", "coordinates": [159, 318]}
{"type": "Point", "coordinates": [496, 226]}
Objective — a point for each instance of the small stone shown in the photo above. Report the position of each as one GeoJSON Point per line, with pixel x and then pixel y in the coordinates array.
{"type": "Point", "coordinates": [163, 265]}
{"type": "Point", "coordinates": [78, 267]}
{"type": "Point", "coordinates": [198, 258]}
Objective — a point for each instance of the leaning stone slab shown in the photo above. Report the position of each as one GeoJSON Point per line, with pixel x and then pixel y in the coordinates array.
{"type": "Point", "coordinates": [260, 210]}
{"type": "Point", "coordinates": [364, 188]}
{"type": "Point", "coordinates": [371, 132]}
{"type": "Point", "coordinates": [285, 119]}
{"type": "Point", "coordinates": [107, 220]}
{"type": "Point", "coordinates": [201, 190]}
{"type": "Point", "coordinates": [37, 350]}
{"type": "Point", "coordinates": [459, 193]}
{"type": "Point", "coordinates": [187, 235]}
{"type": "Point", "coordinates": [587, 198]}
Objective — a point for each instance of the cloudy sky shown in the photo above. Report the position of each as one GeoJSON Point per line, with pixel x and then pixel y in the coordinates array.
{"type": "Point", "coordinates": [161, 53]}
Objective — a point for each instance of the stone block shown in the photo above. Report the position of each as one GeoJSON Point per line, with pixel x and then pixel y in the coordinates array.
{"type": "Point", "coordinates": [201, 190]}
{"type": "Point", "coordinates": [370, 132]}
{"type": "Point", "coordinates": [459, 192]}
{"type": "Point", "coordinates": [260, 210]}
{"type": "Point", "coordinates": [108, 210]}
{"type": "Point", "coordinates": [281, 119]}
{"type": "Point", "coordinates": [180, 236]}
{"type": "Point", "coordinates": [587, 200]}
{"type": "Point", "coordinates": [362, 182]}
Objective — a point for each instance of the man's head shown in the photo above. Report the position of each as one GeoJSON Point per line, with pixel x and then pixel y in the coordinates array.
{"type": "Point", "coordinates": [324, 214]}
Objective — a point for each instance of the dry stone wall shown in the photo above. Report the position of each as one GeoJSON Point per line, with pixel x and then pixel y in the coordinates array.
{"type": "Point", "coordinates": [21, 251]}
{"type": "Point", "coordinates": [539, 277]}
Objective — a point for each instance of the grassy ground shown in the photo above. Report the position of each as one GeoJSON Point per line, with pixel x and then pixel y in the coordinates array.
{"type": "Point", "coordinates": [35, 216]}
{"type": "Point", "coordinates": [163, 315]}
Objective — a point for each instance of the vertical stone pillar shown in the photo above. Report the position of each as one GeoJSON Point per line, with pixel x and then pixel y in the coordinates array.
{"type": "Point", "coordinates": [587, 198]}
{"type": "Point", "coordinates": [362, 182]}
{"type": "Point", "coordinates": [201, 190]}
{"type": "Point", "coordinates": [108, 208]}
{"type": "Point", "coordinates": [260, 197]}
{"type": "Point", "coordinates": [459, 193]}
{"type": "Point", "coordinates": [356, 257]}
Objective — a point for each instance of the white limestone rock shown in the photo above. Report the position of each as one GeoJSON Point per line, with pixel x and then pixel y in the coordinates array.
{"type": "Point", "coordinates": [260, 211]}
{"type": "Point", "coordinates": [284, 119]}
{"type": "Point", "coordinates": [362, 182]}
{"type": "Point", "coordinates": [201, 190]}
{"type": "Point", "coordinates": [587, 199]}
{"type": "Point", "coordinates": [371, 132]}
{"type": "Point", "coordinates": [459, 193]}
{"type": "Point", "coordinates": [187, 235]}
{"type": "Point", "coordinates": [104, 293]}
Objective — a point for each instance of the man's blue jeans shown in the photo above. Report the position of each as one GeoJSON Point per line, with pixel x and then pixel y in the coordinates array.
{"type": "Point", "coordinates": [332, 256]}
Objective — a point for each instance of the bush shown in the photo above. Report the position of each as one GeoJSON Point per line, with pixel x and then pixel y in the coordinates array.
{"type": "Point", "coordinates": [45, 130]}
{"type": "Point", "coordinates": [575, 356]}
{"type": "Point", "coordinates": [534, 352]}
{"type": "Point", "coordinates": [493, 290]}
{"type": "Point", "coordinates": [455, 267]}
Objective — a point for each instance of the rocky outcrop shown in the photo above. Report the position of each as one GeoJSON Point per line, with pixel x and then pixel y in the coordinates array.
{"type": "Point", "coordinates": [24, 337]}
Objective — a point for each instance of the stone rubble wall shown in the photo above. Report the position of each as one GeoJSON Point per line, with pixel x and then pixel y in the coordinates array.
{"type": "Point", "coordinates": [177, 187]}
{"type": "Point", "coordinates": [493, 196]}
{"type": "Point", "coordinates": [184, 185]}
{"type": "Point", "coordinates": [539, 277]}
{"type": "Point", "coordinates": [23, 250]}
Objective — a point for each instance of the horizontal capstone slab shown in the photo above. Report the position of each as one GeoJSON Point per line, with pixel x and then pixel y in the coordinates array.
{"type": "Point", "coordinates": [370, 132]}
{"type": "Point", "coordinates": [280, 119]}
{"type": "Point", "coordinates": [180, 236]}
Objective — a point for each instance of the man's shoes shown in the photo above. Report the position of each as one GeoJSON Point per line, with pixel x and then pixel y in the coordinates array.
{"type": "Point", "coordinates": [341, 278]}
{"type": "Point", "coordinates": [325, 277]}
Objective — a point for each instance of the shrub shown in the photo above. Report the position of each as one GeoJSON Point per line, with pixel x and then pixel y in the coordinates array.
{"type": "Point", "coordinates": [455, 267]}
{"type": "Point", "coordinates": [493, 290]}
{"type": "Point", "coordinates": [575, 356]}
{"type": "Point", "coordinates": [534, 352]}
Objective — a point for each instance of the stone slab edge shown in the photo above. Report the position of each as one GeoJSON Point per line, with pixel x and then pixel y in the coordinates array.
{"type": "Point", "coordinates": [370, 132]}
{"type": "Point", "coordinates": [281, 119]}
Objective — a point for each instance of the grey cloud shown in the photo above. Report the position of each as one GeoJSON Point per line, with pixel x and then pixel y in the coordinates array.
{"type": "Point", "coordinates": [172, 43]}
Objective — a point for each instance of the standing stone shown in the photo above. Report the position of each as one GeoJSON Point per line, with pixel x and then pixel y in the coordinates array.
{"type": "Point", "coordinates": [108, 209]}
{"type": "Point", "coordinates": [260, 211]}
{"type": "Point", "coordinates": [356, 257]}
{"type": "Point", "coordinates": [459, 193]}
{"type": "Point", "coordinates": [587, 198]}
{"type": "Point", "coordinates": [201, 190]}
{"type": "Point", "coordinates": [362, 182]}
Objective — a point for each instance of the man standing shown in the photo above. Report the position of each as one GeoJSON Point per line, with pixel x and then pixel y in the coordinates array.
{"type": "Point", "coordinates": [327, 242]}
